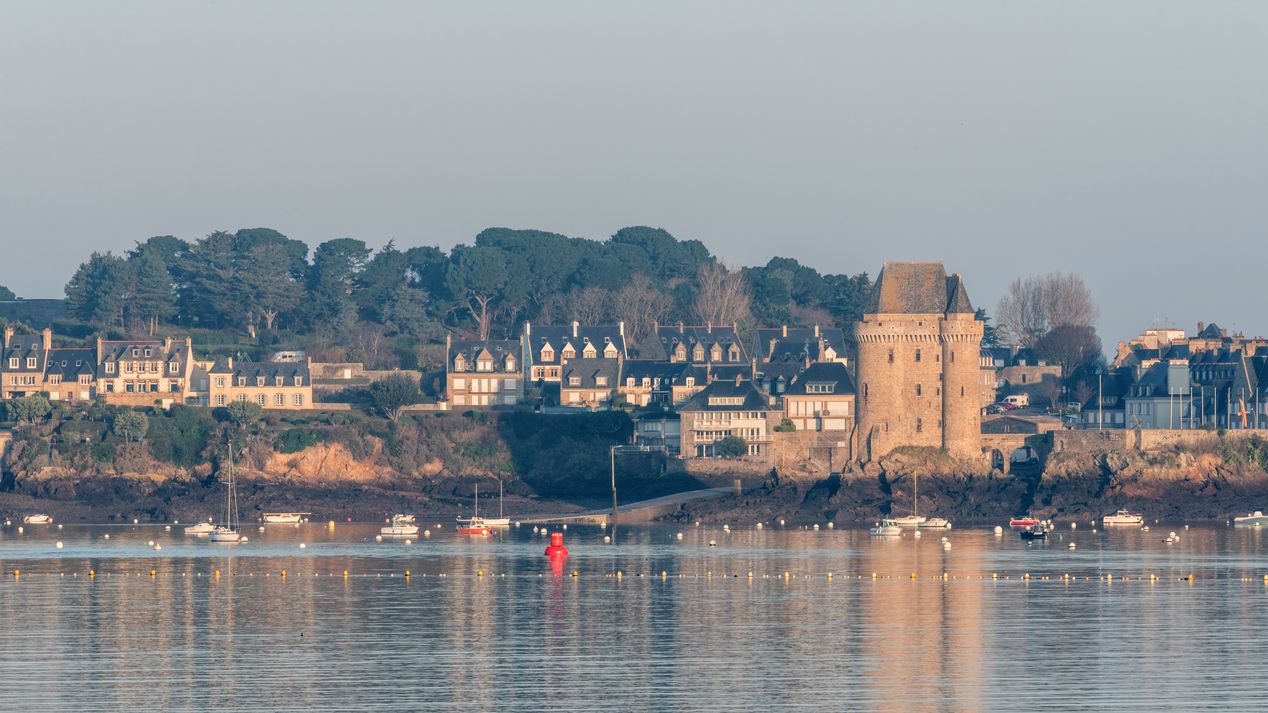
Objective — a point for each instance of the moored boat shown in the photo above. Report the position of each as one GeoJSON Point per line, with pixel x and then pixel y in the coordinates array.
{"type": "Point", "coordinates": [1034, 532]}
{"type": "Point", "coordinates": [1253, 519]}
{"type": "Point", "coordinates": [400, 527]}
{"type": "Point", "coordinates": [935, 523]}
{"type": "Point", "coordinates": [908, 520]}
{"type": "Point", "coordinates": [477, 530]}
{"type": "Point", "coordinates": [229, 531]}
{"type": "Point", "coordinates": [1023, 521]}
{"type": "Point", "coordinates": [1123, 517]}
{"type": "Point", "coordinates": [37, 519]}
{"type": "Point", "coordinates": [283, 518]}
{"type": "Point", "coordinates": [202, 528]}
{"type": "Point", "coordinates": [475, 521]}
{"type": "Point", "coordinates": [886, 528]}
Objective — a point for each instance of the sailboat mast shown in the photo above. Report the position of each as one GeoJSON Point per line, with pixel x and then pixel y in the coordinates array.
{"type": "Point", "coordinates": [500, 515]}
{"type": "Point", "coordinates": [477, 500]}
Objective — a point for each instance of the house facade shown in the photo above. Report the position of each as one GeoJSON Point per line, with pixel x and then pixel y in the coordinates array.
{"type": "Point", "coordinates": [545, 347]}
{"type": "Point", "coordinates": [22, 363]}
{"type": "Point", "coordinates": [483, 374]}
{"type": "Point", "coordinates": [726, 408]}
{"type": "Point", "coordinates": [821, 398]}
{"type": "Point", "coordinates": [269, 384]}
{"type": "Point", "coordinates": [589, 382]}
{"type": "Point", "coordinates": [144, 372]}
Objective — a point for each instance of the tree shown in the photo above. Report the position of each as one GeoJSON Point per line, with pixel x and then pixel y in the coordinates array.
{"type": "Point", "coordinates": [391, 395]}
{"type": "Point", "coordinates": [476, 278]}
{"type": "Point", "coordinates": [405, 312]}
{"type": "Point", "coordinates": [1038, 304]}
{"type": "Point", "coordinates": [722, 296]}
{"type": "Point", "coordinates": [153, 298]}
{"type": "Point", "coordinates": [244, 414]}
{"type": "Point", "coordinates": [266, 286]}
{"type": "Point", "coordinates": [588, 305]}
{"type": "Point", "coordinates": [1073, 347]}
{"type": "Point", "coordinates": [29, 409]}
{"type": "Point", "coordinates": [131, 426]}
{"type": "Point", "coordinates": [99, 289]}
{"type": "Point", "coordinates": [731, 447]}
{"type": "Point", "coordinates": [209, 296]}
{"type": "Point", "coordinates": [990, 338]}
{"type": "Point", "coordinates": [640, 306]}
{"type": "Point", "coordinates": [6, 294]}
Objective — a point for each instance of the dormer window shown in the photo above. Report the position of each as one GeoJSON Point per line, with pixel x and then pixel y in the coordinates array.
{"type": "Point", "coordinates": [109, 367]}
{"type": "Point", "coordinates": [279, 380]}
{"type": "Point", "coordinates": [589, 352]}
{"type": "Point", "coordinates": [680, 354]}
{"type": "Point", "coordinates": [259, 381]}
{"type": "Point", "coordinates": [299, 381]}
{"type": "Point", "coordinates": [697, 354]}
{"type": "Point", "coordinates": [136, 353]}
{"type": "Point", "coordinates": [600, 381]}
{"type": "Point", "coordinates": [484, 365]}
{"type": "Point", "coordinates": [30, 362]}
{"type": "Point", "coordinates": [173, 367]}
{"type": "Point", "coordinates": [459, 363]}
{"type": "Point", "coordinates": [691, 381]}
{"type": "Point", "coordinates": [629, 382]}
{"type": "Point", "coordinates": [570, 353]}
{"type": "Point", "coordinates": [13, 362]}
{"type": "Point", "coordinates": [715, 354]}
{"type": "Point", "coordinates": [734, 354]}
{"type": "Point", "coordinates": [242, 381]}
{"type": "Point", "coordinates": [610, 351]}
{"type": "Point", "coordinates": [574, 381]}
{"type": "Point", "coordinates": [147, 352]}
{"type": "Point", "coordinates": [510, 363]}
{"type": "Point", "coordinates": [548, 354]}
{"type": "Point", "coordinates": [647, 381]}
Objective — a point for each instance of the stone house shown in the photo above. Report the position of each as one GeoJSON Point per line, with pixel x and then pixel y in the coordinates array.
{"type": "Point", "coordinates": [144, 372]}
{"type": "Point", "coordinates": [800, 344]}
{"type": "Point", "coordinates": [821, 398]}
{"type": "Point", "coordinates": [483, 373]}
{"type": "Point", "coordinates": [918, 363]}
{"type": "Point", "coordinates": [1020, 371]}
{"type": "Point", "coordinates": [727, 408]}
{"type": "Point", "coordinates": [545, 347]}
{"type": "Point", "coordinates": [269, 384]}
{"type": "Point", "coordinates": [71, 374]}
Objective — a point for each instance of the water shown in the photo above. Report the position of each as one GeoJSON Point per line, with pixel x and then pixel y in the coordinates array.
{"type": "Point", "coordinates": [705, 637]}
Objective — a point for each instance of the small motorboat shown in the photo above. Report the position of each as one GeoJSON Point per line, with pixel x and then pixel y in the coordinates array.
{"type": "Point", "coordinates": [404, 518]}
{"type": "Point", "coordinates": [1254, 519]}
{"type": "Point", "coordinates": [1034, 532]}
{"type": "Point", "coordinates": [202, 528]}
{"type": "Point", "coordinates": [399, 528]}
{"type": "Point", "coordinates": [1123, 517]}
{"type": "Point", "coordinates": [886, 528]}
{"type": "Point", "coordinates": [1023, 521]}
{"type": "Point", "coordinates": [283, 518]}
{"type": "Point", "coordinates": [935, 523]}
{"type": "Point", "coordinates": [476, 530]}
{"type": "Point", "coordinates": [37, 519]}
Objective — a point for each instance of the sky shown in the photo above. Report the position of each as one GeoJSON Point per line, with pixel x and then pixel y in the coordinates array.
{"type": "Point", "coordinates": [1124, 141]}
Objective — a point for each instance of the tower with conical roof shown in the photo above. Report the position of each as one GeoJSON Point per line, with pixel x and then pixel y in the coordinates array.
{"type": "Point", "coordinates": [918, 347]}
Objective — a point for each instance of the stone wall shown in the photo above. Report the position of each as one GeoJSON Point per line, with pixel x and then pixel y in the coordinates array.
{"type": "Point", "coordinates": [811, 454]}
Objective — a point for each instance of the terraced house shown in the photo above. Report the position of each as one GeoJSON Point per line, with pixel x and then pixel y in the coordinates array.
{"type": "Point", "coordinates": [707, 344]}
{"type": "Point", "coordinates": [722, 409]}
{"type": "Point", "coordinates": [271, 384]}
{"type": "Point", "coordinates": [546, 347]}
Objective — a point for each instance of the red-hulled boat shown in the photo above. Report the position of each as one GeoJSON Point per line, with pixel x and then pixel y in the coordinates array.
{"type": "Point", "coordinates": [1023, 521]}
{"type": "Point", "coordinates": [477, 530]}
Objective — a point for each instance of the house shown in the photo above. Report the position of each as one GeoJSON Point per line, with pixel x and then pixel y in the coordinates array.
{"type": "Point", "coordinates": [22, 363]}
{"type": "Point", "coordinates": [1160, 397]}
{"type": "Point", "coordinates": [143, 372]}
{"type": "Point", "coordinates": [649, 383]}
{"type": "Point", "coordinates": [268, 384]}
{"type": "Point", "coordinates": [483, 372]}
{"type": "Point", "coordinates": [588, 382]}
{"type": "Point", "coordinates": [726, 408]}
{"type": "Point", "coordinates": [71, 374]}
{"type": "Point", "coordinates": [1107, 407]}
{"type": "Point", "coordinates": [807, 344]}
{"type": "Point", "coordinates": [660, 430]}
{"type": "Point", "coordinates": [708, 344]}
{"type": "Point", "coordinates": [821, 398]}
{"type": "Point", "coordinates": [987, 362]}
{"type": "Point", "coordinates": [545, 347]}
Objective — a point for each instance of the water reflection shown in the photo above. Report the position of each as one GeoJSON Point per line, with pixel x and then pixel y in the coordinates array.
{"type": "Point", "coordinates": [705, 637]}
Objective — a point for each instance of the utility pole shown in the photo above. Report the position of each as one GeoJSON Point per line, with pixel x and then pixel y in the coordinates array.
{"type": "Point", "coordinates": [1100, 403]}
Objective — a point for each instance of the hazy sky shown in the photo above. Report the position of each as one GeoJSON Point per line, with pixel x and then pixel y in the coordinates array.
{"type": "Point", "coordinates": [1127, 141]}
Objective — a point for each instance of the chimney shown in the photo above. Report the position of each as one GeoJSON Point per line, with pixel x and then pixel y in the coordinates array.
{"type": "Point", "coordinates": [1201, 326]}
{"type": "Point", "coordinates": [575, 324]}
{"type": "Point", "coordinates": [8, 334]}
{"type": "Point", "coordinates": [709, 327]}
{"type": "Point", "coordinates": [816, 329]}
{"type": "Point", "coordinates": [167, 344]}
{"type": "Point", "coordinates": [785, 331]}
{"type": "Point", "coordinates": [99, 354]}
{"type": "Point", "coordinates": [230, 363]}
{"type": "Point", "coordinates": [620, 327]}
{"type": "Point", "coordinates": [680, 329]}
{"type": "Point", "coordinates": [528, 329]}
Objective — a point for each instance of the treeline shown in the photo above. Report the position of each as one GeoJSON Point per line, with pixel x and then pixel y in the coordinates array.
{"type": "Point", "coordinates": [258, 281]}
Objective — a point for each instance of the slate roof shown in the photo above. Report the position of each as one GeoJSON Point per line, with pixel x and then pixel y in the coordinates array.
{"type": "Point", "coordinates": [72, 363]}
{"type": "Point", "coordinates": [1210, 331]}
{"type": "Point", "coordinates": [753, 400]}
{"type": "Point", "coordinates": [668, 337]}
{"type": "Point", "coordinates": [267, 369]}
{"type": "Point", "coordinates": [24, 346]}
{"type": "Point", "coordinates": [589, 371]}
{"type": "Point", "coordinates": [918, 288]}
{"type": "Point", "coordinates": [771, 343]}
{"type": "Point", "coordinates": [557, 336]}
{"type": "Point", "coordinates": [835, 375]}
{"type": "Point", "coordinates": [470, 349]}
{"type": "Point", "coordinates": [115, 351]}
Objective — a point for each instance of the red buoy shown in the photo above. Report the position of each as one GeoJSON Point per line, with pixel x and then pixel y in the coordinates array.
{"type": "Point", "coordinates": [556, 548]}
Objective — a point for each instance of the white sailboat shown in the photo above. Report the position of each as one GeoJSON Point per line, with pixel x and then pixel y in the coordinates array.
{"type": "Point", "coordinates": [229, 531]}
{"type": "Point", "coordinates": [476, 521]}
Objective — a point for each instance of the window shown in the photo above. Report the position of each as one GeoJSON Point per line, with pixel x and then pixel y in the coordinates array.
{"type": "Point", "coordinates": [734, 353]}
{"type": "Point", "coordinates": [510, 363]}
{"type": "Point", "coordinates": [917, 355]}
{"type": "Point", "coordinates": [574, 381]}
{"type": "Point", "coordinates": [259, 381]}
{"type": "Point", "coordinates": [918, 389]}
{"type": "Point", "coordinates": [570, 353]}
{"type": "Point", "coordinates": [172, 367]}
{"type": "Point", "coordinates": [279, 380]}
{"type": "Point", "coordinates": [629, 382]}
{"type": "Point", "coordinates": [484, 365]}
{"type": "Point", "coordinates": [147, 352]}
{"type": "Point", "coordinates": [135, 352]}
{"type": "Point", "coordinates": [590, 352]}
{"type": "Point", "coordinates": [600, 381]}
{"type": "Point", "coordinates": [548, 354]}
{"type": "Point", "coordinates": [109, 367]}
{"type": "Point", "coordinates": [220, 399]}
{"type": "Point", "coordinates": [55, 379]}
{"type": "Point", "coordinates": [920, 425]}
{"type": "Point", "coordinates": [459, 384]}
{"type": "Point", "coordinates": [299, 381]}
{"type": "Point", "coordinates": [715, 354]}
{"type": "Point", "coordinates": [952, 357]}
{"type": "Point", "coordinates": [242, 381]}
{"type": "Point", "coordinates": [30, 362]}
{"type": "Point", "coordinates": [891, 356]}
{"type": "Point", "coordinates": [220, 382]}
{"type": "Point", "coordinates": [242, 398]}
{"type": "Point", "coordinates": [459, 364]}
{"type": "Point", "coordinates": [13, 362]}
{"type": "Point", "coordinates": [297, 399]}
{"type": "Point", "coordinates": [864, 391]}
{"type": "Point", "coordinates": [279, 399]}
{"type": "Point", "coordinates": [697, 354]}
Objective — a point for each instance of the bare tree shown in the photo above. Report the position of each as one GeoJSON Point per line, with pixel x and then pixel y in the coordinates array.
{"type": "Point", "coordinates": [589, 305]}
{"type": "Point", "coordinates": [1038, 304]}
{"type": "Point", "coordinates": [640, 305]}
{"type": "Point", "coordinates": [723, 296]}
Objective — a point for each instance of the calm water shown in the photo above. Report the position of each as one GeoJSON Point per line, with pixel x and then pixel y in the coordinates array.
{"type": "Point", "coordinates": [705, 637]}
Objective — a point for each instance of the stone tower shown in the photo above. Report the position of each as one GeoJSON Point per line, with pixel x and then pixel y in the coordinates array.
{"type": "Point", "coordinates": [918, 348]}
